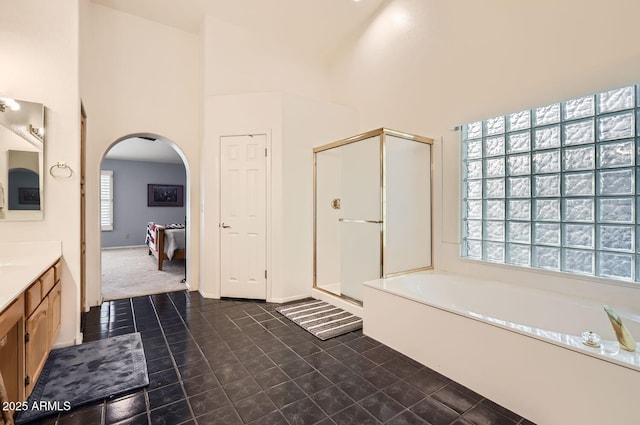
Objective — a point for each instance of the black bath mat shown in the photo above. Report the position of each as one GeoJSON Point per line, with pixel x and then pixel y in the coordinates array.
{"type": "Point", "coordinates": [84, 373]}
{"type": "Point", "coordinates": [321, 319]}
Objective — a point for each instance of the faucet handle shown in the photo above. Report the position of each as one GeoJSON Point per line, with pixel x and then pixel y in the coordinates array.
{"type": "Point", "coordinates": [591, 339]}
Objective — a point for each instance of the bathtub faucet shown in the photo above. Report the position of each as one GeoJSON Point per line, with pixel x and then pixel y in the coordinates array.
{"type": "Point", "coordinates": [622, 333]}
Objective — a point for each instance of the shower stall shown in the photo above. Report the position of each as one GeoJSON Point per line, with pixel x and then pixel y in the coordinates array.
{"type": "Point", "coordinates": [372, 210]}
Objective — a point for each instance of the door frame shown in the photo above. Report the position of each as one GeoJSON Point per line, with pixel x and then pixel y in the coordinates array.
{"type": "Point", "coordinates": [83, 210]}
{"type": "Point", "coordinates": [268, 206]}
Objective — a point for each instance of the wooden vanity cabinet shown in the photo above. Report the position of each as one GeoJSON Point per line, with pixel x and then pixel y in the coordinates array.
{"type": "Point", "coordinates": [55, 310]}
{"type": "Point", "coordinates": [47, 280]}
{"type": "Point", "coordinates": [12, 349]}
{"type": "Point", "coordinates": [37, 341]}
{"type": "Point", "coordinates": [28, 329]}
{"type": "Point", "coordinates": [32, 298]}
{"type": "Point", "coordinates": [42, 323]}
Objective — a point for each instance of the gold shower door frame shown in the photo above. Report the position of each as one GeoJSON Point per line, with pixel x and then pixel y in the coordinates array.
{"type": "Point", "coordinates": [382, 133]}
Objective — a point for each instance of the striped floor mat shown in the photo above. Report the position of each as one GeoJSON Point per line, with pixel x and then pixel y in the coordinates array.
{"type": "Point", "coordinates": [321, 319]}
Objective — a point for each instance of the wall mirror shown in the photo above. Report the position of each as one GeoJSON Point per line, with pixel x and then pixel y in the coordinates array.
{"type": "Point", "coordinates": [21, 159]}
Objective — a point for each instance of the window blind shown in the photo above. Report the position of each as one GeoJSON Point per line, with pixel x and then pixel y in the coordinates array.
{"type": "Point", "coordinates": [106, 200]}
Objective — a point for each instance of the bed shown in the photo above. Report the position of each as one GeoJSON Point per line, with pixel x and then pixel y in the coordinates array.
{"type": "Point", "coordinates": [166, 241]}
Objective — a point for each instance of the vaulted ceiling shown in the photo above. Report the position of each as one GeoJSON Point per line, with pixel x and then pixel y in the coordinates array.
{"type": "Point", "coordinates": [318, 26]}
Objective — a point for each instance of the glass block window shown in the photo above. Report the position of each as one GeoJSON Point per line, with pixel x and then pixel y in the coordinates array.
{"type": "Point", "coordinates": [557, 187]}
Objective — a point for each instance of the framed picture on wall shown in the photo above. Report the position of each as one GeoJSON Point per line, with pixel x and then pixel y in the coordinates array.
{"type": "Point", "coordinates": [165, 195]}
{"type": "Point", "coordinates": [28, 195]}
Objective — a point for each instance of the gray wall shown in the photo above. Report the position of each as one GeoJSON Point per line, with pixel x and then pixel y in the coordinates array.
{"type": "Point", "coordinates": [18, 178]}
{"type": "Point", "coordinates": [130, 211]}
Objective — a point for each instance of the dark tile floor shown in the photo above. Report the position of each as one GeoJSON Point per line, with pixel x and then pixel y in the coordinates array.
{"type": "Point", "coordinates": [233, 362]}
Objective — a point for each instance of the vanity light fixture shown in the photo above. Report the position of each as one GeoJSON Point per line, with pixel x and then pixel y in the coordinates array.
{"type": "Point", "coordinates": [8, 103]}
{"type": "Point", "coordinates": [38, 132]}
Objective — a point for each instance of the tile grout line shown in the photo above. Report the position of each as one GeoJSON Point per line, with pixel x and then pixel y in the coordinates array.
{"type": "Point", "coordinates": [358, 403]}
{"type": "Point", "coordinates": [173, 361]}
{"type": "Point", "coordinates": [145, 390]}
{"type": "Point", "coordinates": [381, 390]}
{"type": "Point", "coordinates": [206, 360]}
{"type": "Point", "coordinates": [239, 329]}
{"type": "Point", "coordinates": [241, 363]}
{"type": "Point", "coordinates": [267, 355]}
{"type": "Point", "coordinates": [199, 320]}
{"type": "Point", "coordinates": [333, 384]}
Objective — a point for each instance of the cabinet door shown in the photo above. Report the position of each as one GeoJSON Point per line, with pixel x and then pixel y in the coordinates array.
{"type": "Point", "coordinates": [12, 350]}
{"type": "Point", "coordinates": [37, 348]}
{"type": "Point", "coordinates": [55, 297]}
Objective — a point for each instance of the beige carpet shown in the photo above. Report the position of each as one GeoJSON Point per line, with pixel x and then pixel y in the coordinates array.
{"type": "Point", "coordinates": [132, 272]}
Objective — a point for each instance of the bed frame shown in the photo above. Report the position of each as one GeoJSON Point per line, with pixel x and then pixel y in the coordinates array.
{"type": "Point", "coordinates": [160, 255]}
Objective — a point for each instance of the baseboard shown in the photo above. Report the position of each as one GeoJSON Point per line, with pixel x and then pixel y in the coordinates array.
{"type": "Point", "coordinates": [69, 343]}
{"type": "Point", "coordinates": [271, 300]}
{"type": "Point", "coordinates": [120, 247]}
{"type": "Point", "coordinates": [208, 295]}
{"type": "Point", "coordinates": [288, 299]}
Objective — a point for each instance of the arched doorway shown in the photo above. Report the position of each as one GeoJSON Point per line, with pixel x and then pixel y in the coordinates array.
{"type": "Point", "coordinates": [144, 179]}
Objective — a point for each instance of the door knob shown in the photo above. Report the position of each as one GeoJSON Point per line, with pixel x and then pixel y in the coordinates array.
{"type": "Point", "coordinates": [225, 226]}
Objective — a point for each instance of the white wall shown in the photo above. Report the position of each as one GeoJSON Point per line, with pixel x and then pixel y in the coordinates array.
{"type": "Point", "coordinates": [307, 123]}
{"type": "Point", "coordinates": [239, 61]}
{"type": "Point", "coordinates": [293, 126]}
{"type": "Point", "coordinates": [139, 77]}
{"type": "Point", "coordinates": [425, 66]}
{"type": "Point", "coordinates": [251, 85]}
{"type": "Point", "coordinates": [251, 113]}
{"type": "Point", "coordinates": [39, 57]}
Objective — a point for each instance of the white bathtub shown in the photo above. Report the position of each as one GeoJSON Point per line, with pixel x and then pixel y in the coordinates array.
{"type": "Point", "coordinates": [518, 347]}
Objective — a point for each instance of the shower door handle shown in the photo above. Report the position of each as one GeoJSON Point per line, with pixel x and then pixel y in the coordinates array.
{"type": "Point", "coordinates": [346, 220]}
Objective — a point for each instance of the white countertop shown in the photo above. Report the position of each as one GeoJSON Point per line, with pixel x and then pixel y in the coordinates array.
{"type": "Point", "coordinates": [21, 264]}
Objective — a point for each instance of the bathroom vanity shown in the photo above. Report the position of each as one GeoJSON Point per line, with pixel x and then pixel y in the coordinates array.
{"type": "Point", "coordinates": [30, 314]}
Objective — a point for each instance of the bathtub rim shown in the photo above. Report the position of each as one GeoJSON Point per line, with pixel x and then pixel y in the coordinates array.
{"type": "Point", "coordinates": [577, 346]}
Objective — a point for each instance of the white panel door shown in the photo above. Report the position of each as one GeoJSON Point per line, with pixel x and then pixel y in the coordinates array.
{"type": "Point", "coordinates": [243, 257]}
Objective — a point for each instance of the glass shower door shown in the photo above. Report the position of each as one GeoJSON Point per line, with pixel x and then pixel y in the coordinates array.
{"type": "Point", "coordinates": [348, 217]}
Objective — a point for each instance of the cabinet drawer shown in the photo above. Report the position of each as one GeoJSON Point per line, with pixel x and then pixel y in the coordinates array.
{"type": "Point", "coordinates": [32, 298]}
{"type": "Point", "coordinates": [58, 270]}
{"type": "Point", "coordinates": [47, 280]}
